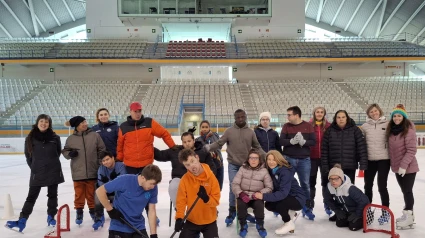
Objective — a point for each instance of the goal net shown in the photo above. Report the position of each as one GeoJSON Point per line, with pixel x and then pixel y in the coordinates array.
{"type": "Point", "coordinates": [377, 218]}
{"type": "Point", "coordinates": [62, 223]}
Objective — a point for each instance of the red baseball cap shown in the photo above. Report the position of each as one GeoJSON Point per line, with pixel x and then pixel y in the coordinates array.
{"type": "Point", "coordinates": [134, 106]}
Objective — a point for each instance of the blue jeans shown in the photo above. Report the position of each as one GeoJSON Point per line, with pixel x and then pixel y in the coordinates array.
{"type": "Point", "coordinates": [232, 170]}
{"type": "Point", "coordinates": [220, 175]}
{"type": "Point", "coordinates": [302, 168]}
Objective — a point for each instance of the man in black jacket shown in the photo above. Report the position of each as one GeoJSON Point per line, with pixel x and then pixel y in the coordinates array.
{"type": "Point", "coordinates": [178, 169]}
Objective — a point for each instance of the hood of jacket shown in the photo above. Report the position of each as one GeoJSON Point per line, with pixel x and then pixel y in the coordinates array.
{"type": "Point", "coordinates": [341, 190]}
{"type": "Point", "coordinates": [203, 176]}
{"type": "Point", "coordinates": [138, 122]}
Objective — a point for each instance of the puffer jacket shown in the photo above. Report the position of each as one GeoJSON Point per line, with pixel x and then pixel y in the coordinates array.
{"type": "Point", "coordinates": [374, 131]}
{"type": "Point", "coordinates": [135, 141]}
{"type": "Point", "coordinates": [44, 161]}
{"type": "Point", "coordinates": [316, 150]}
{"type": "Point", "coordinates": [109, 133]}
{"type": "Point", "coordinates": [268, 139]}
{"type": "Point", "coordinates": [284, 184]}
{"type": "Point", "coordinates": [402, 151]}
{"type": "Point", "coordinates": [251, 180]}
{"type": "Point", "coordinates": [89, 146]}
{"type": "Point", "coordinates": [346, 197]}
{"type": "Point", "coordinates": [345, 146]}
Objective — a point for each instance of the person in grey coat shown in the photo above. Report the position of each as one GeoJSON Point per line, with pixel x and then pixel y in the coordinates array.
{"type": "Point", "coordinates": [83, 148]}
{"type": "Point", "coordinates": [42, 151]}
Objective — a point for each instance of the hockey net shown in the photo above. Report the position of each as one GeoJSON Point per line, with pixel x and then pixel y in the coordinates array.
{"type": "Point", "coordinates": [62, 223]}
{"type": "Point", "coordinates": [377, 218]}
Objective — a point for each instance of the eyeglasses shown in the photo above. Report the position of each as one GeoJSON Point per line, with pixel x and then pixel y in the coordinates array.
{"type": "Point", "coordinates": [334, 179]}
{"type": "Point", "coordinates": [254, 158]}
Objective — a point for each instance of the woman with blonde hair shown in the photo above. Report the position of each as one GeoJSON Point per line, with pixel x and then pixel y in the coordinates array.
{"type": "Point", "coordinates": [287, 196]}
{"type": "Point", "coordinates": [108, 130]}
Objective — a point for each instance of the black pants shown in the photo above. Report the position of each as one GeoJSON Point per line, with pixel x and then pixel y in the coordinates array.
{"type": "Point", "coordinates": [119, 234]}
{"type": "Point", "coordinates": [354, 226]}
{"type": "Point", "coordinates": [191, 230]}
{"type": "Point", "coordinates": [257, 205]}
{"type": "Point", "coordinates": [132, 170]}
{"type": "Point", "coordinates": [52, 201]}
{"type": "Point", "coordinates": [406, 184]}
{"type": "Point", "coordinates": [283, 206]}
{"type": "Point", "coordinates": [382, 167]}
{"type": "Point", "coordinates": [98, 207]}
{"type": "Point", "coordinates": [315, 167]}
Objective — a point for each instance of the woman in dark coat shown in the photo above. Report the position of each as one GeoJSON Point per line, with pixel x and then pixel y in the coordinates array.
{"type": "Point", "coordinates": [344, 144]}
{"type": "Point", "coordinates": [42, 151]}
{"type": "Point", "coordinates": [107, 129]}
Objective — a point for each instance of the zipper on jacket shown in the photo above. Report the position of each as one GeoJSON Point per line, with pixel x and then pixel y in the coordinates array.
{"type": "Point", "coordinates": [320, 141]}
{"type": "Point", "coordinates": [85, 154]}
{"type": "Point", "coordinates": [268, 141]}
{"type": "Point", "coordinates": [137, 139]}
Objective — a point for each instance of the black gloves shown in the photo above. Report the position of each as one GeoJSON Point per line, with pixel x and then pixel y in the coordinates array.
{"type": "Point", "coordinates": [116, 214]}
{"type": "Point", "coordinates": [179, 225]}
{"type": "Point", "coordinates": [340, 214]}
{"type": "Point", "coordinates": [353, 217]}
{"type": "Point", "coordinates": [73, 153]}
{"type": "Point", "coordinates": [153, 236]}
{"type": "Point", "coordinates": [192, 130]}
{"type": "Point", "coordinates": [176, 147]}
{"type": "Point", "coordinates": [113, 175]}
{"type": "Point", "coordinates": [202, 194]}
{"type": "Point", "coordinates": [104, 179]}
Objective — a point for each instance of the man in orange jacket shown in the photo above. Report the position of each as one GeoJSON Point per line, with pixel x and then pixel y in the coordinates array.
{"type": "Point", "coordinates": [135, 140]}
{"type": "Point", "coordinates": [203, 217]}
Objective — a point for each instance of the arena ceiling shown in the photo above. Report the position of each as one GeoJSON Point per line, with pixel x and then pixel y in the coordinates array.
{"type": "Point", "coordinates": [366, 18]}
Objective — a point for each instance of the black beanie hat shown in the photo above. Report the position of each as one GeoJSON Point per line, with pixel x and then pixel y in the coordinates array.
{"type": "Point", "coordinates": [75, 121]}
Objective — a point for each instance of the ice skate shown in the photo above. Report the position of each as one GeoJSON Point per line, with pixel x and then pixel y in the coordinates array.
{"type": "Point", "coordinates": [79, 217]}
{"type": "Point", "coordinates": [98, 222]}
{"type": "Point", "coordinates": [250, 218]}
{"type": "Point", "coordinates": [275, 214]}
{"type": "Point", "coordinates": [287, 227]}
{"type": "Point", "coordinates": [260, 228]}
{"type": "Point", "coordinates": [244, 230]}
{"type": "Point", "coordinates": [309, 213]}
{"type": "Point", "coordinates": [293, 215]}
{"type": "Point", "coordinates": [406, 221]}
{"type": "Point", "coordinates": [231, 216]}
{"type": "Point", "coordinates": [51, 221]}
{"type": "Point", "coordinates": [384, 218]}
{"type": "Point", "coordinates": [20, 224]}
{"type": "Point", "coordinates": [328, 210]}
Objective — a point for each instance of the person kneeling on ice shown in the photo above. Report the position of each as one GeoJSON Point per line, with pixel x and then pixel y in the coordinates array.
{"type": "Point", "coordinates": [287, 196]}
{"type": "Point", "coordinates": [108, 171]}
{"type": "Point", "coordinates": [132, 194]}
{"type": "Point", "coordinates": [345, 199]}
{"type": "Point", "coordinates": [203, 217]}
{"type": "Point", "coordinates": [252, 177]}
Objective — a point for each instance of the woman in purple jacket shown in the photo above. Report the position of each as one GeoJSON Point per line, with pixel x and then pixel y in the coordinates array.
{"type": "Point", "coordinates": [401, 136]}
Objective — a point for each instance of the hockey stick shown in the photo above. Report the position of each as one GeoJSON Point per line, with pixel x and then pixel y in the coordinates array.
{"type": "Point", "coordinates": [134, 228]}
{"type": "Point", "coordinates": [187, 214]}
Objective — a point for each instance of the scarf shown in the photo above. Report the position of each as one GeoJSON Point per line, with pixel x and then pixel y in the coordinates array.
{"type": "Point", "coordinates": [274, 170]}
{"type": "Point", "coordinates": [318, 123]}
{"type": "Point", "coordinates": [396, 129]}
{"type": "Point", "coordinates": [43, 136]}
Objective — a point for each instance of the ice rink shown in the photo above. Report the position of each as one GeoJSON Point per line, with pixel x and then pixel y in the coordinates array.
{"type": "Point", "coordinates": [14, 178]}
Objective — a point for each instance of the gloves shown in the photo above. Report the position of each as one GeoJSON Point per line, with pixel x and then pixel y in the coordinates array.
{"type": "Point", "coordinates": [401, 172]}
{"type": "Point", "coordinates": [244, 197]}
{"type": "Point", "coordinates": [202, 194]}
{"type": "Point", "coordinates": [340, 214]}
{"type": "Point", "coordinates": [175, 148]}
{"type": "Point", "coordinates": [153, 236]}
{"type": "Point", "coordinates": [207, 147]}
{"type": "Point", "coordinates": [301, 141]}
{"type": "Point", "coordinates": [73, 153]}
{"type": "Point", "coordinates": [253, 197]}
{"type": "Point", "coordinates": [116, 214]}
{"type": "Point", "coordinates": [299, 137]}
{"type": "Point", "coordinates": [192, 130]}
{"type": "Point", "coordinates": [293, 141]}
{"type": "Point", "coordinates": [179, 225]}
{"type": "Point", "coordinates": [113, 175]}
{"type": "Point", "coordinates": [104, 179]}
{"type": "Point", "coordinates": [353, 217]}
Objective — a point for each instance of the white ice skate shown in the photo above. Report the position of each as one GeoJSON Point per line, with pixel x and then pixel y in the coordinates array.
{"type": "Point", "coordinates": [293, 215]}
{"type": "Point", "coordinates": [287, 227]}
{"type": "Point", "coordinates": [406, 221]}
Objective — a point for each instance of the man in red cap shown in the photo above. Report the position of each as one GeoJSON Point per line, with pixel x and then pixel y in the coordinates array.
{"type": "Point", "coordinates": [135, 139]}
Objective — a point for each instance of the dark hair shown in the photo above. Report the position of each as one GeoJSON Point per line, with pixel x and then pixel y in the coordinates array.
{"type": "Point", "coordinates": [239, 111]}
{"type": "Point", "coordinates": [187, 134]}
{"type": "Point", "coordinates": [295, 110]}
{"type": "Point", "coordinates": [28, 141]}
{"type": "Point", "coordinates": [254, 151]}
{"type": "Point", "coordinates": [184, 155]}
{"type": "Point", "coordinates": [405, 124]}
{"type": "Point", "coordinates": [103, 154]}
{"type": "Point", "coordinates": [98, 111]}
{"type": "Point", "coordinates": [346, 114]}
{"type": "Point", "coordinates": [205, 121]}
{"type": "Point", "coordinates": [153, 172]}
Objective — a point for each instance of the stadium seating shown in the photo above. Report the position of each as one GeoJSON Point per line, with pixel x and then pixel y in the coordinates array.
{"type": "Point", "coordinates": [193, 49]}
{"type": "Point", "coordinates": [25, 50]}
{"type": "Point", "coordinates": [13, 90]}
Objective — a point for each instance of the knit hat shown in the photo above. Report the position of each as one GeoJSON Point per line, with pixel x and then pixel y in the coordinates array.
{"type": "Point", "coordinates": [399, 109]}
{"type": "Point", "coordinates": [134, 106]}
{"type": "Point", "coordinates": [75, 121]}
{"type": "Point", "coordinates": [336, 171]}
{"type": "Point", "coordinates": [265, 114]}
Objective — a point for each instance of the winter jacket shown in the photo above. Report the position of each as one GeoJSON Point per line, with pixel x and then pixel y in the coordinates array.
{"type": "Point", "coordinates": [89, 146]}
{"type": "Point", "coordinates": [44, 161]}
{"type": "Point", "coordinates": [239, 143]}
{"type": "Point", "coordinates": [210, 138]}
{"type": "Point", "coordinates": [346, 197]}
{"type": "Point", "coordinates": [202, 213]}
{"type": "Point", "coordinates": [376, 141]}
{"type": "Point", "coordinates": [402, 151]}
{"type": "Point", "coordinates": [268, 139]}
{"type": "Point", "coordinates": [345, 146]}
{"type": "Point", "coordinates": [109, 134]}
{"type": "Point", "coordinates": [178, 169]}
{"type": "Point", "coordinates": [296, 151]}
{"type": "Point", "coordinates": [104, 173]}
{"type": "Point", "coordinates": [284, 184]}
{"type": "Point", "coordinates": [251, 180]}
{"type": "Point", "coordinates": [135, 141]}
{"type": "Point", "coordinates": [316, 150]}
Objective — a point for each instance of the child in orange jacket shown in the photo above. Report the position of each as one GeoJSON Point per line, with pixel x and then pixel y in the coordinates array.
{"type": "Point", "coordinates": [203, 217]}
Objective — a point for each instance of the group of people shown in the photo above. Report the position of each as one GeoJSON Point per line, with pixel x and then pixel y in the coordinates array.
{"type": "Point", "coordinates": [112, 168]}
